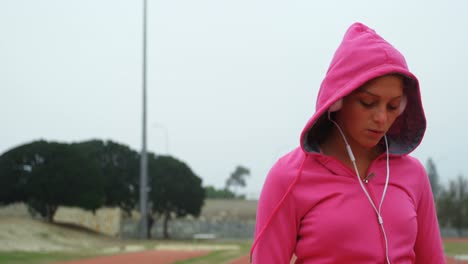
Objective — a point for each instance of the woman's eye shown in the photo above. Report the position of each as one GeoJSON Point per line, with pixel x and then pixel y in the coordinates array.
{"type": "Point", "coordinates": [366, 104]}
{"type": "Point", "coordinates": [392, 107]}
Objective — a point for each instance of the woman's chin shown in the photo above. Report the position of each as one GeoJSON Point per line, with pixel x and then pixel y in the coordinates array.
{"type": "Point", "coordinates": [370, 144]}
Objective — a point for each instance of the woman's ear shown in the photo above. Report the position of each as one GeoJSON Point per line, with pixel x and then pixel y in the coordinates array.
{"type": "Point", "coordinates": [404, 101]}
{"type": "Point", "coordinates": [337, 106]}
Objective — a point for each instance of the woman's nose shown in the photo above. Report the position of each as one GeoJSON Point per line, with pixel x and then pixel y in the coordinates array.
{"type": "Point", "coordinates": [381, 115]}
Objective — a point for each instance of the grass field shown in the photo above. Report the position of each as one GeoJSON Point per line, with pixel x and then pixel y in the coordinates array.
{"type": "Point", "coordinates": [222, 252]}
{"type": "Point", "coordinates": [220, 256]}
{"type": "Point", "coordinates": [458, 247]}
{"type": "Point", "coordinates": [18, 257]}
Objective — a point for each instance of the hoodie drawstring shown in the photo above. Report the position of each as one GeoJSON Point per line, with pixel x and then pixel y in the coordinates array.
{"type": "Point", "coordinates": [290, 187]}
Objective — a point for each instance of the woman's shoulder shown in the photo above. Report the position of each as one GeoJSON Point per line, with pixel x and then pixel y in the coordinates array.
{"type": "Point", "coordinates": [410, 170]}
{"type": "Point", "coordinates": [411, 162]}
{"type": "Point", "coordinates": [286, 167]}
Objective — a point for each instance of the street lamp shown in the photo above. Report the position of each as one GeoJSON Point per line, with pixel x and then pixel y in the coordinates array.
{"type": "Point", "coordinates": [144, 156]}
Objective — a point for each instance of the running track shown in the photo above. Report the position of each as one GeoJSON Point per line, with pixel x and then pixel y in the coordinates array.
{"type": "Point", "coordinates": [245, 260]}
{"type": "Point", "coordinates": [143, 257]}
{"type": "Point", "coordinates": [169, 257]}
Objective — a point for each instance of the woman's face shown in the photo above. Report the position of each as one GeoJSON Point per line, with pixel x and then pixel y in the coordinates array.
{"type": "Point", "coordinates": [370, 111]}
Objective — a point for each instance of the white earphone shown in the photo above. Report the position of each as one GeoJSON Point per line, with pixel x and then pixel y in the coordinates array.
{"type": "Point", "coordinates": [378, 210]}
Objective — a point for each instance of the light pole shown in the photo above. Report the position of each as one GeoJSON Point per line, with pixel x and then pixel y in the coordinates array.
{"type": "Point", "coordinates": [144, 156]}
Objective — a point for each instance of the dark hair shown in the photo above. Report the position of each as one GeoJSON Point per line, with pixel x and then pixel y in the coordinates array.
{"type": "Point", "coordinates": [321, 129]}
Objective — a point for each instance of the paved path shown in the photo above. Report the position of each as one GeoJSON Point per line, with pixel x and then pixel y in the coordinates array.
{"type": "Point", "coordinates": [241, 260]}
{"type": "Point", "coordinates": [143, 257]}
{"type": "Point", "coordinates": [245, 260]}
{"type": "Point", "coordinates": [451, 260]}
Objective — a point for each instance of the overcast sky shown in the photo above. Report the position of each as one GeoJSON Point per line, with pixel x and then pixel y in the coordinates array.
{"type": "Point", "coordinates": [230, 82]}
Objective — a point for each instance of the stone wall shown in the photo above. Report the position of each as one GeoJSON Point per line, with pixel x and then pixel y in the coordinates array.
{"type": "Point", "coordinates": [187, 228]}
{"type": "Point", "coordinates": [226, 219]}
{"type": "Point", "coordinates": [104, 220]}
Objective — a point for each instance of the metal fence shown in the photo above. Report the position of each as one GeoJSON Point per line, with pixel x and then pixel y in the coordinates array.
{"type": "Point", "coordinates": [187, 228]}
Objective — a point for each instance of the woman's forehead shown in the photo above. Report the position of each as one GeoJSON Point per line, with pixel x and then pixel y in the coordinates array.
{"type": "Point", "coordinates": [388, 85]}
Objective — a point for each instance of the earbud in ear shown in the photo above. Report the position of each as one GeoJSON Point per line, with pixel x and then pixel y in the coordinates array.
{"type": "Point", "coordinates": [404, 101]}
{"type": "Point", "coordinates": [336, 106]}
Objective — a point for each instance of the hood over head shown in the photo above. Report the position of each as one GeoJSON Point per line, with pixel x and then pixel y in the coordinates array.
{"type": "Point", "coordinates": [362, 56]}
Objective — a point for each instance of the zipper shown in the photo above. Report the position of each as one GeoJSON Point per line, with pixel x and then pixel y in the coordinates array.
{"type": "Point", "coordinates": [369, 177]}
{"type": "Point", "coordinates": [372, 195]}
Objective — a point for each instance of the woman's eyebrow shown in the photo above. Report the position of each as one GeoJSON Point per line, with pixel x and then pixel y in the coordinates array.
{"type": "Point", "coordinates": [375, 95]}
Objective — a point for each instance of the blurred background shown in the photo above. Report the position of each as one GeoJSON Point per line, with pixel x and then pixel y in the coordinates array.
{"type": "Point", "coordinates": [230, 85]}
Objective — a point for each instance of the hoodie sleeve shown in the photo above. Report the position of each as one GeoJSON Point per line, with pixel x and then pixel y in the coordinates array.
{"type": "Point", "coordinates": [276, 225]}
{"type": "Point", "coordinates": [428, 248]}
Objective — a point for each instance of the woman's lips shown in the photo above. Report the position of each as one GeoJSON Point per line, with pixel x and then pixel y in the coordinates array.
{"type": "Point", "coordinates": [376, 133]}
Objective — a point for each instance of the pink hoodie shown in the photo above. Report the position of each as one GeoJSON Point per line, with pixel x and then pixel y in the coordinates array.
{"type": "Point", "coordinates": [312, 205]}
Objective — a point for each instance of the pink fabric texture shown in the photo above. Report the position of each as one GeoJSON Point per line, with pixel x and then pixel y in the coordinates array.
{"type": "Point", "coordinates": [312, 205]}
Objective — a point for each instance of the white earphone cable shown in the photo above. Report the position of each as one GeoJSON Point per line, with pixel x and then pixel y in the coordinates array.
{"type": "Point", "coordinates": [377, 211]}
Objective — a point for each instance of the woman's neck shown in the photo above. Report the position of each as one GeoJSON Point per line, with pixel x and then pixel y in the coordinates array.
{"type": "Point", "coordinates": [335, 146]}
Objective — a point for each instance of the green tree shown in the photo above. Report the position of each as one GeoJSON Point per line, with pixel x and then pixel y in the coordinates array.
{"type": "Point", "coordinates": [175, 189]}
{"type": "Point", "coordinates": [15, 170]}
{"type": "Point", "coordinates": [49, 174]}
{"type": "Point", "coordinates": [237, 178]}
{"type": "Point", "coordinates": [213, 193]}
{"type": "Point", "coordinates": [119, 169]}
{"type": "Point", "coordinates": [453, 204]}
{"type": "Point", "coordinates": [433, 177]}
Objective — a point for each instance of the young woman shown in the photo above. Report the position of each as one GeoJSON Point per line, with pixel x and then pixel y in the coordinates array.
{"type": "Point", "coordinates": [351, 193]}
